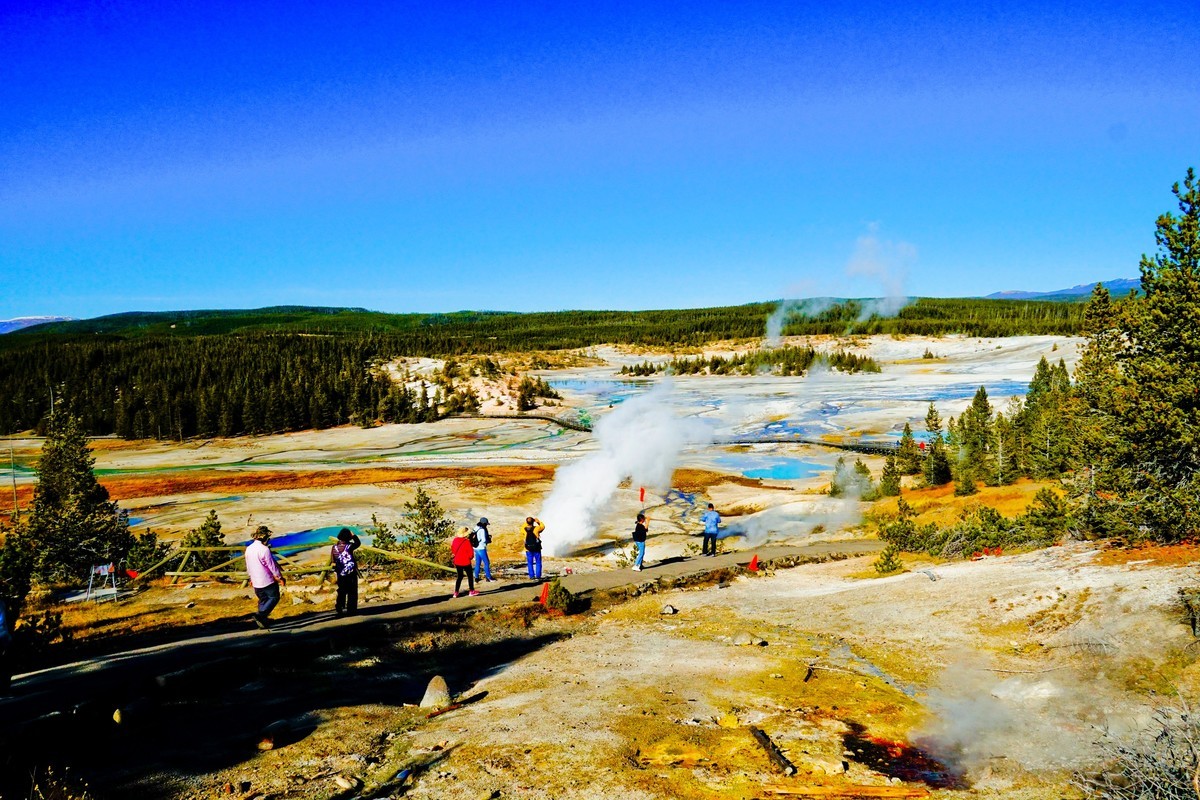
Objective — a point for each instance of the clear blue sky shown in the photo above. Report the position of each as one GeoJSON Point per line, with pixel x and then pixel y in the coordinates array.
{"type": "Point", "coordinates": [525, 156]}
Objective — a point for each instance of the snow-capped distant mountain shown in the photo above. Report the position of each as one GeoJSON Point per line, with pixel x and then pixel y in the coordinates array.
{"type": "Point", "coordinates": [1117, 288]}
{"type": "Point", "coordinates": [10, 325]}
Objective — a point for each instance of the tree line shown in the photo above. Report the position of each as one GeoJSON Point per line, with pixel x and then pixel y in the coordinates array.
{"type": "Point", "coordinates": [786, 360]}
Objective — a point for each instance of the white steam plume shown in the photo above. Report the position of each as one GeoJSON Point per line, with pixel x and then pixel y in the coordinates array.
{"type": "Point", "coordinates": [640, 440]}
{"type": "Point", "coordinates": [883, 262]}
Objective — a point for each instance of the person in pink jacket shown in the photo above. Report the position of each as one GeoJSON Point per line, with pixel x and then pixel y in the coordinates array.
{"type": "Point", "coordinates": [265, 576]}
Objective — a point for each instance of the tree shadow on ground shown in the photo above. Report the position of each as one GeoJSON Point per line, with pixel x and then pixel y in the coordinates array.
{"type": "Point", "coordinates": [213, 716]}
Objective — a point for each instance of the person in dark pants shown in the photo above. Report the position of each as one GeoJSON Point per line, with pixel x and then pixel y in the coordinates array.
{"type": "Point", "coordinates": [462, 553]}
{"type": "Point", "coordinates": [345, 567]}
{"type": "Point", "coordinates": [712, 522]}
{"type": "Point", "coordinates": [264, 574]}
{"type": "Point", "coordinates": [640, 531]}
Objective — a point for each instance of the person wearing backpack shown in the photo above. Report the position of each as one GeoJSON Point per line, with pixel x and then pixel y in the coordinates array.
{"type": "Point", "coordinates": [480, 539]}
{"type": "Point", "coordinates": [533, 546]}
{"type": "Point", "coordinates": [345, 567]}
{"type": "Point", "coordinates": [639, 539]}
{"type": "Point", "coordinates": [461, 553]}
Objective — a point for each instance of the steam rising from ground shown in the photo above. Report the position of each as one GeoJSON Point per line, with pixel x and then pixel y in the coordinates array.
{"type": "Point", "coordinates": [1037, 721]}
{"type": "Point", "coordinates": [640, 440]}
{"type": "Point", "coordinates": [882, 262]}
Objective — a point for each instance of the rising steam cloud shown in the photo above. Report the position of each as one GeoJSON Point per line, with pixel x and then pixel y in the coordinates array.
{"type": "Point", "coordinates": [882, 262]}
{"type": "Point", "coordinates": [640, 440]}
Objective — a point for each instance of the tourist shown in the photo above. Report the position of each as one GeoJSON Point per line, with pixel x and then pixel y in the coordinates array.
{"type": "Point", "coordinates": [461, 552]}
{"type": "Point", "coordinates": [639, 541]}
{"type": "Point", "coordinates": [480, 539]}
{"type": "Point", "coordinates": [264, 574]}
{"type": "Point", "coordinates": [345, 567]}
{"type": "Point", "coordinates": [712, 522]}
{"type": "Point", "coordinates": [533, 546]}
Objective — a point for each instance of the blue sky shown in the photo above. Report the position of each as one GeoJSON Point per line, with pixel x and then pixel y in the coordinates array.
{"type": "Point", "coordinates": [524, 156]}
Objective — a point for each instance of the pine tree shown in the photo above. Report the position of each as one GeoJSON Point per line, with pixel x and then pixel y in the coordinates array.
{"type": "Point", "coordinates": [909, 457]}
{"type": "Point", "coordinates": [889, 481]}
{"type": "Point", "coordinates": [933, 421]}
{"type": "Point", "coordinates": [1156, 404]}
{"type": "Point", "coordinates": [425, 524]}
{"type": "Point", "coordinates": [73, 525]}
{"type": "Point", "coordinates": [207, 535]}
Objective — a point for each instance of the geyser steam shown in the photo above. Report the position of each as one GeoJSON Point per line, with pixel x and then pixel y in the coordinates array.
{"type": "Point", "coordinates": [640, 440]}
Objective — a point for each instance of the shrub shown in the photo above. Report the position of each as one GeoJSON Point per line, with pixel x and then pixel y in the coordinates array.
{"type": "Point", "coordinates": [560, 598]}
{"type": "Point", "coordinates": [1162, 763]}
{"type": "Point", "coordinates": [889, 561]}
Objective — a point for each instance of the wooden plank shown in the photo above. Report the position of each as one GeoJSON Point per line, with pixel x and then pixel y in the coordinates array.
{"type": "Point", "coordinates": [778, 759]}
{"type": "Point", "coordinates": [402, 557]}
{"type": "Point", "coordinates": [182, 564]}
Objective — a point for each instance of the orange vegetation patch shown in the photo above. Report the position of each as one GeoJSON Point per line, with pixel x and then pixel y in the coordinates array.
{"type": "Point", "coordinates": [248, 482]}
{"type": "Point", "coordinates": [124, 488]}
{"type": "Point", "coordinates": [939, 504]}
{"type": "Point", "coordinates": [700, 480]}
{"type": "Point", "coordinates": [1157, 554]}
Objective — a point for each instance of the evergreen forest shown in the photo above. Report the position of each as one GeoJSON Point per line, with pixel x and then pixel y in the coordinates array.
{"type": "Point", "coordinates": [175, 375]}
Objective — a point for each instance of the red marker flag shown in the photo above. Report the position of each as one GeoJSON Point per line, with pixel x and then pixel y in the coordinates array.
{"type": "Point", "coordinates": [642, 495]}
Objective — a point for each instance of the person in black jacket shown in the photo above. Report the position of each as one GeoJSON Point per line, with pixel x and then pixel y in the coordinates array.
{"type": "Point", "coordinates": [345, 566]}
{"type": "Point", "coordinates": [639, 539]}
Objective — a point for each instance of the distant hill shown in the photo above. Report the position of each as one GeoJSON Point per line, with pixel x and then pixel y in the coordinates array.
{"type": "Point", "coordinates": [19, 323]}
{"type": "Point", "coordinates": [1117, 288]}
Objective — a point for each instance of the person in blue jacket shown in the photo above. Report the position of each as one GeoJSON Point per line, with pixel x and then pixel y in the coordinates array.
{"type": "Point", "coordinates": [712, 523]}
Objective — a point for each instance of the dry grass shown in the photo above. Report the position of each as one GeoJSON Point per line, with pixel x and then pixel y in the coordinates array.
{"type": "Point", "coordinates": [1168, 555]}
{"type": "Point", "coordinates": [939, 504]}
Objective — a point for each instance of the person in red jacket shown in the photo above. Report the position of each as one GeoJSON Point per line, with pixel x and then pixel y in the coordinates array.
{"type": "Point", "coordinates": [462, 553]}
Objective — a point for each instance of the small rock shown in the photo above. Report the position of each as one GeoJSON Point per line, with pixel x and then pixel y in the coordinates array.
{"type": "Point", "coordinates": [743, 639]}
{"type": "Point", "coordinates": [228, 789]}
{"type": "Point", "coordinates": [729, 720]}
{"type": "Point", "coordinates": [776, 675]}
{"type": "Point", "coordinates": [244, 786]}
{"type": "Point", "coordinates": [437, 694]}
{"type": "Point", "coordinates": [380, 585]}
{"type": "Point", "coordinates": [759, 642]}
{"type": "Point", "coordinates": [669, 609]}
{"type": "Point", "coordinates": [189, 605]}
{"type": "Point", "coordinates": [346, 782]}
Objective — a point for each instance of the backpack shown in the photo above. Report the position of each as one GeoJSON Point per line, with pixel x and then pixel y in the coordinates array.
{"type": "Point", "coordinates": [474, 537]}
{"type": "Point", "coordinates": [344, 560]}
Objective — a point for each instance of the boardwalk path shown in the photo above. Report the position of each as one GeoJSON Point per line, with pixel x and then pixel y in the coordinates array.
{"type": "Point", "coordinates": [60, 689]}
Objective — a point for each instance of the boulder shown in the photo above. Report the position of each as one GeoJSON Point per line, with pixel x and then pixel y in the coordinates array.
{"type": "Point", "coordinates": [437, 693]}
{"type": "Point", "coordinates": [743, 639]}
{"type": "Point", "coordinates": [275, 735]}
{"type": "Point", "coordinates": [669, 609]}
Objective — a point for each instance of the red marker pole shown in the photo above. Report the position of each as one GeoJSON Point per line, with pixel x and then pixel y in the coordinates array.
{"type": "Point", "coordinates": [642, 495]}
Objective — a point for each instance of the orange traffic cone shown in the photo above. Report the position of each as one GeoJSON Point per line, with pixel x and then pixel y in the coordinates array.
{"type": "Point", "coordinates": [753, 565]}
{"type": "Point", "coordinates": [545, 593]}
